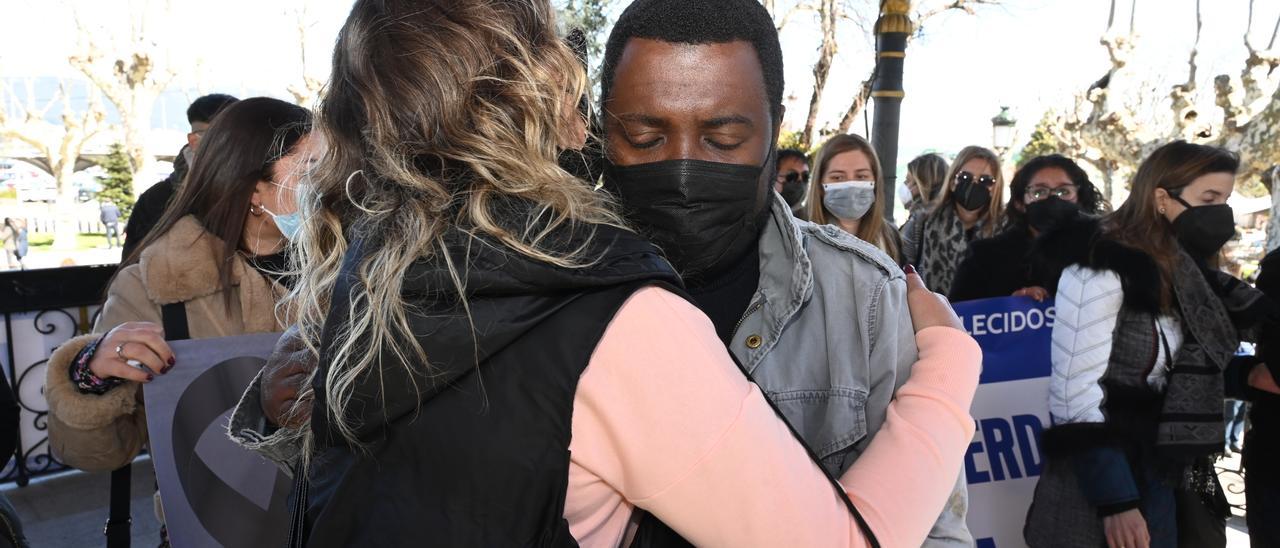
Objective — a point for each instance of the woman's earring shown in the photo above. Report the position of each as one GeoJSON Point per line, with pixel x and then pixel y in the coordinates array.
{"type": "Point", "coordinates": [1162, 211]}
{"type": "Point", "coordinates": [256, 210]}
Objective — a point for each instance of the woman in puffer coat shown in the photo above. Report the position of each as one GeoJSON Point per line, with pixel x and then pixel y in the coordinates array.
{"type": "Point", "coordinates": [1146, 327]}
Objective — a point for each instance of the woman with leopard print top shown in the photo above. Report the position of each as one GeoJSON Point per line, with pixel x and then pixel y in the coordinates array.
{"type": "Point", "coordinates": [967, 210]}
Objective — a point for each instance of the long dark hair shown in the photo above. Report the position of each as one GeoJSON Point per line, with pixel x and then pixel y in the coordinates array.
{"type": "Point", "coordinates": [239, 150]}
{"type": "Point", "coordinates": [1138, 223]}
{"type": "Point", "coordinates": [1089, 199]}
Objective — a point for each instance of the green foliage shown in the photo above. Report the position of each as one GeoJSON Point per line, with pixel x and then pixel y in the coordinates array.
{"type": "Point", "coordinates": [792, 139]}
{"type": "Point", "coordinates": [117, 184]}
{"type": "Point", "coordinates": [44, 241]}
{"type": "Point", "coordinates": [1042, 142]}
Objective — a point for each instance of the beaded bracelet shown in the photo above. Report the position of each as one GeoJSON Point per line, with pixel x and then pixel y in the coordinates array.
{"type": "Point", "coordinates": [84, 379]}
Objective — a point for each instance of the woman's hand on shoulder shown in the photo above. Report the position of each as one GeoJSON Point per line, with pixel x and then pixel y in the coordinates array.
{"type": "Point", "coordinates": [284, 379]}
{"type": "Point", "coordinates": [928, 309]}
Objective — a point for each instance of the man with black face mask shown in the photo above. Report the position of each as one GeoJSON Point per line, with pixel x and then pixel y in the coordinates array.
{"type": "Point", "coordinates": [792, 181]}
{"type": "Point", "coordinates": [692, 107]}
{"type": "Point", "coordinates": [1046, 192]}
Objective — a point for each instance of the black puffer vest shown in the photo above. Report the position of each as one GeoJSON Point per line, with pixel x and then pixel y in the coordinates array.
{"type": "Point", "coordinates": [478, 454]}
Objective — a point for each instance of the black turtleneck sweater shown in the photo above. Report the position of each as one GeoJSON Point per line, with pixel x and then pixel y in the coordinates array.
{"type": "Point", "coordinates": [725, 298]}
{"type": "Point", "coordinates": [273, 267]}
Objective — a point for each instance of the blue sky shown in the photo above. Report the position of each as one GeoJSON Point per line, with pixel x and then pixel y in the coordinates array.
{"type": "Point", "coordinates": [1027, 54]}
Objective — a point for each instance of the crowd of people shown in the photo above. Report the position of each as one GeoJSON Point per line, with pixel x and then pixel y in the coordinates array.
{"type": "Point", "coordinates": [652, 327]}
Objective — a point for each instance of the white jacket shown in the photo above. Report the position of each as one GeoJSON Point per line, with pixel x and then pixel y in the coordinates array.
{"type": "Point", "coordinates": [1088, 305]}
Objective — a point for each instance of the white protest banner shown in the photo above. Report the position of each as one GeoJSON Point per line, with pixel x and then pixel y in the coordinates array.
{"type": "Point", "coordinates": [1011, 407]}
{"type": "Point", "coordinates": [214, 492]}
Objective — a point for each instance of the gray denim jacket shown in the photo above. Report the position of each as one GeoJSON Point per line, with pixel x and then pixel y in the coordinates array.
{"type": "Point", "coordinates": [829, 339]}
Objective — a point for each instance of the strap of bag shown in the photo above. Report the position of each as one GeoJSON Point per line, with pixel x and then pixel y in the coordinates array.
{"type": "Point", "coordinates": [174, 318]}
{"type": "Point", "coordinates": [298, 518]}
{"type": "Point", "coordinates": [119, 520]}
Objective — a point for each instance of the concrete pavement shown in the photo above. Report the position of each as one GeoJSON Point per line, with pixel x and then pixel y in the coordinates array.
{"type": "Point", "coordinates": [70, 509]}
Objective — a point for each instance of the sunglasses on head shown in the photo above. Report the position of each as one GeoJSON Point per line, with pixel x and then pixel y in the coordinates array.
{"type": "Point", "coordinates": [966, 177]}
{"type": "Point", "coordinates": [797, 176]}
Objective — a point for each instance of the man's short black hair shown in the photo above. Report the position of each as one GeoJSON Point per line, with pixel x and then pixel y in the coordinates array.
{"type": "Point", "coordinates": [785, 153]}
{"type": "Point", "coordinates": [700, 22]}
{"type": "Point", "coordinates": [205, 108]}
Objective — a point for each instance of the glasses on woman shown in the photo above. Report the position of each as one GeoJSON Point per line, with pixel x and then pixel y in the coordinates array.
{"type": "Point", "coordinates": [1035, 194]}
{"type": "Point", "coordinates": [984, 180]}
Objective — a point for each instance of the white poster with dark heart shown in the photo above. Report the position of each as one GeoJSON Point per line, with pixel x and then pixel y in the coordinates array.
{"type": "Point", "coordinates": [215, 493]}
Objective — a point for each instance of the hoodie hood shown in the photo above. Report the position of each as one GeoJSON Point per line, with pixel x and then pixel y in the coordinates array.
{"type": "Point", "coordinates": [507, 295]}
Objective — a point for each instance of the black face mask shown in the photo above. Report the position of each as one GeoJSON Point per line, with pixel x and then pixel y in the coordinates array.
{"type": "Point", "coordinates": [704, 215]}
{"type": "Point", "coordinates": [972, 195]}
{"type": "Point", "coordinates": [1203, 230]}
{"type": "Point", "coordinates": [794, 187]}
{"type": "Point", "coordinates": [1049, 212]}
{"type": "Point", "coordinates": [793, 191]}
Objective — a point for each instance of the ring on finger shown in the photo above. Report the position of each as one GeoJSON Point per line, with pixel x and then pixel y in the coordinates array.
{"type": "Point", "coordinates": [120, 354]}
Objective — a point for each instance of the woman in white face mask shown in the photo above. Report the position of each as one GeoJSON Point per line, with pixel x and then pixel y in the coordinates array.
{"type": "Point", "coordinates": [846, 192]}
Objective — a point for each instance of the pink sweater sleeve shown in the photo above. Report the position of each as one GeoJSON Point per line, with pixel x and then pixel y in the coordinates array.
{"type": "Point", "coordinates": [664, 421]}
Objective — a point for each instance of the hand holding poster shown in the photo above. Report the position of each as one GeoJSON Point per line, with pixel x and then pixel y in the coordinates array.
{"type": "Point", "coordinates": [1011, 407]}
{"type": "Point", "coordinates": [214, 492]}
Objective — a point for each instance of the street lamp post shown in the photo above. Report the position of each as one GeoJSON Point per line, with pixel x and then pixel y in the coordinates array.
{"type": "Point", "coordinates": [1002, 131]}
{"type": "Point", "coordinates": [892, 31]}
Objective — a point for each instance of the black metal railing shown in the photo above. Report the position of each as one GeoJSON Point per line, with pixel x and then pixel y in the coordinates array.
{"type": "Point", "coordinates": [42, 309]}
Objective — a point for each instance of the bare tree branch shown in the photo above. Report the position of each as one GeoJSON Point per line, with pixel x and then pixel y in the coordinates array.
{"type": "Point", "coordinates": [1111, 19]}
{"type": "Point", "coordinates": [1248, 27]}
{"type": "Point", "coordinates": [59, 145]}
{"type": "Point", "coordinates": [1133, 16]}
{"type": "Point", "coordinates": [1274, 33]}
{"type": "Point", "coordinates": [863, 97]}
{"type": "Point", "coordinates": [791, 13]}
{"type": "Point", "coordinates": [967, 6]}
{"type": "Point", "coordinates": [132, 81]}
{"type": "Point", "coordinates": [821, 69]}
{"type": "Point", "coordinates": [859, 103]}
{"type": "Point", "coordinates": [308, 89]}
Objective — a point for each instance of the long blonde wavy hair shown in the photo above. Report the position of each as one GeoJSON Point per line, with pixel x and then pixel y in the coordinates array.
{"type": "Point", "coordinates": [436, 113]}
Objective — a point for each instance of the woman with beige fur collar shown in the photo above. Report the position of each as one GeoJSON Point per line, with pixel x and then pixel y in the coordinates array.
{"type": "Point", "coordinates": [219, 250]}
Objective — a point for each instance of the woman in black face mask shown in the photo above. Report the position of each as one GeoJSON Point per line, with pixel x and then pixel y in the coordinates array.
{"type": "Point", "coordinates": [967, 209]}
{"type": "Point", "coordinates": [1145, 333]}
{"type": "Point", "coordinates": [1046, 192]}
